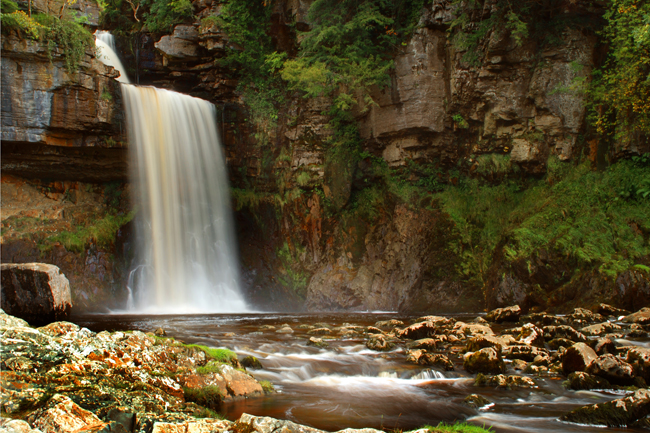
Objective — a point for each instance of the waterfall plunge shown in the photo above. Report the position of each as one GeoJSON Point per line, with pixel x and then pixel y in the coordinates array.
{"type": "Point", "coordinates": [187, 247]}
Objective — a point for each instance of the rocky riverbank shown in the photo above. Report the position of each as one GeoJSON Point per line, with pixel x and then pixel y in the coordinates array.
{"type": "Point", "coordinates": [63, 378]}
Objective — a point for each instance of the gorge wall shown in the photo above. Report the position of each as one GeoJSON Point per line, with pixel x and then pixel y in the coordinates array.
{"type": "Point", "coordinates": [328, 231]}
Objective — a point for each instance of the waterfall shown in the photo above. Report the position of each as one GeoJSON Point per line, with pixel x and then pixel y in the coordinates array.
{"type": "Point", "coordinates": [187, 249]}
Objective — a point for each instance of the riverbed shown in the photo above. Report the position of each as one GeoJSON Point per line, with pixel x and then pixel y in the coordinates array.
{"type": "Point", "coordinates": [348, 385]}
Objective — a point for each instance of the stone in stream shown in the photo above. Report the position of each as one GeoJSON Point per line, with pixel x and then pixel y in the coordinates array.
{"type": "Point", "coordinates": [601, 329]}
{"type": "Point", "coordinates": [251, 362]}
{"type": "Point", "coordinates": [318, 342]}
{"type": "Point", "coordinates": [623, 412]}
{"type": "Point", "coordinates": [389, 324]}
{"type": "Point", "coordinates": [503, 381]}
{"type": "Point", "coordinates": [608, 310]}
{"type": "Point", "coordinates": [585, 315]}
{"type": "Point", "coordinates": [613, 369]}
{"type": "Point", "coordinates": [642, 317]}
{"type": "Point", "coordinates": [422, 357]}
{"type": "Point", "coordinates": [36, 292]}
{"type": "Point", "coordinates": [563, 331]}
{"type": "Point", "coordinates": [579, 380]}
{"type": "Point", "coordinates": [320, 331]}
{"type": "Point", "coordinates": [527, 353]}
{"type": "Point", "coordinates": [8, 425]}
{"type": "Point", "coordinates": [424, 343]}
{"type": "Point", "coordinates": [507, 314]}
{"type": "Point", "coordinates": [637, 331]}
{"type": "Point", "coordinates": [639, 359]}
{"type": "Point", "coordinates": [605, 345]}
{"type": "Point", "coordinates": [476, 401]}
{"type": "Point", "coordinates": [481, 341]}
{"type": "Point", "coordinates": [419, 331]}
{"type": "Point", "coordinates": [379, 343]}
{"type": "Point", "coordinates": [486, 360]}
{"type": "Point", "coordinates": [577, 358]}
{"type": "Point", "coordinates": [532, 335]}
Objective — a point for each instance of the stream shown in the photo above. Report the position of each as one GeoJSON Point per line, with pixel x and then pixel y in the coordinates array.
{"type": "Point", "coordinates": [348, 385]}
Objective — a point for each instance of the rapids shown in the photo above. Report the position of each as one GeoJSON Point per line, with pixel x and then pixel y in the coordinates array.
{"type": "Point", "coordinates": [347, 385]}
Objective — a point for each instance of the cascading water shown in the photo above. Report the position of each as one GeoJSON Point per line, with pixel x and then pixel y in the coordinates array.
{"type": "Point", "coordinates": [189, 252]}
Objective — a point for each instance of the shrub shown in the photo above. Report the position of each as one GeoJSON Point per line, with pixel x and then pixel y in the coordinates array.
{"type": "Point", "coordinates": [208, 396]}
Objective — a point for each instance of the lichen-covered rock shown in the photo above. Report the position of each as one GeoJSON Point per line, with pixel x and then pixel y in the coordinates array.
{"type": "Point", "coordinates": [36, 292]}
{"type": "Point", "coordinates": [318, 342]}
{"type": "Point", "coordinates": [424, 343]}
{"type": "Point", "coordinates": [481, 341]}
{"type": "Point", "coordinates": [507, 314]}
{"type": "Point", "coordinates": [605, 345]}
{"type": "Point", "coordinates": [379, 342]}
{"type": "Point", "coordinates": [531, 335]}
{"type": "Point", "coordinates": [8, 425]}
{"type": "Point", "coordinates": [419, 331]}
{"type": "Point", "coordinates": [641, 317]}
{"type": "Point", "coordinates": [389, 324]}
{"type": "Point", "coordinates": [577, 358]}
{"type": "Point", "coordinates": [422, 357]}
{"type": "Point", "coordinates": [527, 353]}
{"type": "Point", "coordinates": [621, 412]}
{"type": "Point", "coordinates": [263, 424]}
{"type": "Point", "coordinates": [601, 329]}
{"type": "Point", "coordinates": [251, 362]}
{"type": "Point", "coordinates": [563, 331]}
{"type": "Point", "coordinates": [579, 380]}
{"type": "Point", "coordinates": [608, 310]}
{"type": "Point", "coordinates": [486, 360]}
{"type": "Point", "coordinates": [62, 415]}
{"type": "Point", "coordinates": [476, 401]}
{"type": "Point", "coordinates": [613, 369]}
{"type": "Point", "coordinates": [472, 329]}
{"type": "Point", "coordinates": [585, 315]}
{"type": "Point", "coordinates": [503, 381]}
{"type": "Point", "coordinates": [639, 358]}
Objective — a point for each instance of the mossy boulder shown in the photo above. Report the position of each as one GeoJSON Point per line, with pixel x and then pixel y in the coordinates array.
{"type": "Point", "coordinates": [621, 412]}
{"type": "Point", "coordinates": [487, 360]}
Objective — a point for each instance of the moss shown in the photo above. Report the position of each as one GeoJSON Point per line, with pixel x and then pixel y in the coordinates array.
{"type": "Point", "coordinates": [267, 387]}
{"type": "Point", "coordinates": [222, 355]}
{"type": "Point", "coordinates": [208, 396]}
{"type": "Point", "coordinates": [208, 413]}
{"type": "Point", "coordinates": [459, 427]}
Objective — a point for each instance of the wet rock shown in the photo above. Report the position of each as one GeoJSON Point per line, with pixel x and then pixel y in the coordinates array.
{"type": "Point", "coordinates": [527, 353]}
{"type": "Point", "coordinates": [389, 324]}
{"type": "Point", "coordinates": [486, 360]}
{"type": "Point", "coordinates": [318, 342]}
{"type": "Point", "coordinates": [373, 330]}
{"type": "Point", "coordinates": [507, 314]}
{"type": "Point", "coordinates": [621, 412]}
{"type": "Point", "coordinates": [639, 359]}
{"type": "Point", "coordinates": [476, 401]}
{"type": "Point", "coordinates": [472, 329]}
{"type": "Point", "coordinates": [605, 345]}
{"type": "Point", "coordinates": [481, 341]}
{"type": "Point", "coordinates": [613, 369]}
{"type": "Point", "coordinates": [422, 357]}
{"type": "Point", "coordinates": [425, 343]}
{"type": "Point", "coordinates": [563, 331]}
{"type": "Point", "coordinates": [62, 415]}
{"type": "Point", "coordinates": [608, 310]}
{"type": "Point", "coordinates": [556, 343]}
{"type": "Point", "coordinates": [160, 332]}
{"type": "Point", "coordinates": [531, 335]}
{"type": "Point", "coordinates": [586, 315]}
{"type": "Point", "coordinates": [319, 331]}
{"type": "Point", "coordinates": [182, 44]}
{"type": "Point", "coordinates": [637, 331]}
{"type": "Point", "coordinates": [8, 321]}
{"type": "Point", "coordinates": [642, 317]}
{"type": "Point", "coordinates": [519, 364]}
{"type": "Point", "coordinates": [285, 330]}
{"type": "Point", "coordinates": [36, 292]}
{"type": "Point", "coordinates": [503, 381]}
{"type": "Point", "coordinates": [579, 380]}
{"type": "Point", "coordinates": [577, 358]}
{"type": "Point", "coordinates": [233, 383]}
{"type": "Point", "coordinates": [270, 327]}
{"type": "Point", "coordinates": [379, 342]}
{"type": "Point", "coordinates": [544, 319]}
{"type": "Point", "coordinates": [251, 362]}
{"type": "Point", "coordinates": [419, 331]}
{"type": "Point", "coordinates": [601, 329]}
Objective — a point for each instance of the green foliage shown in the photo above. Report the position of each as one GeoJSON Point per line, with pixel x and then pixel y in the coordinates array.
{"type": "Point", "coordinates": [267, 387]}
{"type": "Point", "coordinates": [19, 20]}
{"type": "Point", "coordinates": [585, 216]}
{"type": "Point", "coordinates": [222, 355]}
{"type": "Point", "coordinates": [208, 413]}
{"type": "Point", "coordinates": [291, 275]}
{"type": "Point", "coordinates": [460, 121]}
{"type": "Point", "coordinates": [163, 15]}
{"type": "Point", "coordinates": [210, 367]}
{"type": "Point", "coordinates": [209, 396]}
{"type": "Point", "coordinates": [158, 16]}
{"type": "Point", "coordinates": [72, 38]}
{"type": "Point", "coordinates": [459, 427]}
{"type": "Point", "coordinates": [102, 232]}
{"type": "Point", "coordinates": [493, 164]}
{"type": "Point", "coordinates": [621, 90]}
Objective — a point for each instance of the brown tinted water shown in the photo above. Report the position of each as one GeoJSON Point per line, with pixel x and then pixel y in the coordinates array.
{"type": "Point", "coordinates": [347, 385]}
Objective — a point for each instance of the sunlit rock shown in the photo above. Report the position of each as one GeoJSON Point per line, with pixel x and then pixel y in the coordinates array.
{"type": "Point", "coordinates": [507, 314]}
{"type": "Point", "coordinates": [487, 360]}
{"type": "Point", "coordinates": [621, 412]}
{"type": "Point", "coordinates": [577, 358]}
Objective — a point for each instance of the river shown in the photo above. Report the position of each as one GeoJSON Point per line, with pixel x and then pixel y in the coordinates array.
{"type": "Point", "coordinates": [348, 385]}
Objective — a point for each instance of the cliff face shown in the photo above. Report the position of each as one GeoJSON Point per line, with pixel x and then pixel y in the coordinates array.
{"type": "Point", "coordinates": [303, 242]}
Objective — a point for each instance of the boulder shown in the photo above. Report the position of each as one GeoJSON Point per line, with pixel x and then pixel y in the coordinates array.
{"type": "Point", "coordinates": [563, 331]}
{"type": "Point", "coordinates": [476, 401]}
{"type": "Point", "coordinates": [579, 380]}
{"type": "Point", "coordinates": [503, 381]}
{"type": "Point", "coordinates": [251, 362]}
{"type": "Point", "coordinates": [605, 345]}
{"type": "Point", "coordinates": [639, 359]}
{"type": "Point", "coordinates": [531, 335]}
{"type": "Point", "coordinates": [472, 329]}
{"type": "Point", "coordinates": [556, 343]}
{"type": "Point", "coordinates": [389, 324]}
{"type": "Point", "coordinates": [320, 331]}
{"type": "Point", "coordinates": [182, 44]}
{"type": "Point", "coordinates": [586, 315]}
{"type": "Point", "coordinates": [526, 353]}
{"type": "Point", "coordinates": [481, 341]}
{"type": "Point", "coordinates": [318, 342]}
{"type": "Point", "coordinates": [608, 310]}
{"type": "Point", "coordinates": [232, 383]}
{"type": "Point", "coordinates": [432, 359]}
{"type": "Point", "coordinates": [8, 425]}
{"type": "Point", "coordinates": [424, 343]}
{"type": "Point", "coordinates": [210, 425]}
{"type": "Point", "coordinates": [486, 360]}
{"type": "Point", "coordinates": [507, 314]}
{"type": "Point", "coordinates": [601, 329]}
{"type": "Point", "coordinates": [62, 415]}
{"type": "Point", "coordinates": [641, 317]}
{"type": "Point", "coordinates": [419, 331]}
{"type": "Point", "coordinates": [379, 342]}
{"type": "Point", "coordinates": [36, 292]}
{"type": "Point", "coordinates": [613, 369]}
{"type": "Point", "coordinates": [577, 358]}
{"type": "Point", "coordinates": [264, 424]}
{"type": "Point", "coordinates": [621, 412]}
